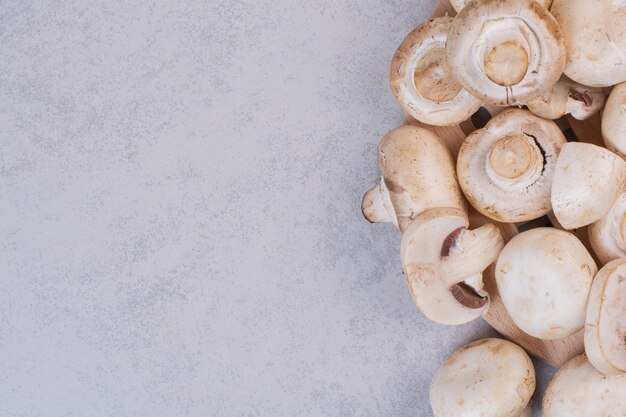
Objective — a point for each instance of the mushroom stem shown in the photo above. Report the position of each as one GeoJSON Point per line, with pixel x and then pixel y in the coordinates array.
{"type": "Point", "coordinates": [528, 412]}
{"type": "Point", "coordinates": [376, 205]}
{"type": "Point", "coordinates": [471, 253]}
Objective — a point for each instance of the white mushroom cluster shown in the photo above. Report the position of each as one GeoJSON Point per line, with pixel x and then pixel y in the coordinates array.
{"type": "Point", "coordinates": [516, 217]}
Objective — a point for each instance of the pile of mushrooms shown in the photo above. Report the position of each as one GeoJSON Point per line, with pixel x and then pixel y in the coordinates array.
{"type": "Point", "coordinates": [548, 62]}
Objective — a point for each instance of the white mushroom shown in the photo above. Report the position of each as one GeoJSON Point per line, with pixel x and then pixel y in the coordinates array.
{"type": "Point", "coordinates": [568, 97]}
{"type": "Point", "coordinates": [443, 263]}
{"type": "Point", "coordinates": [605, 328]}
{"type": "Point", "coordinates": [595, 38]}
{"type": "Point", "coordinates": [505, 169]}
{"type": "Point", "coordinates": [460, 4]}
{"type": "Point", "coordinates": [614, 120]}
{"type": "Point", "coordinates": [505, 52]}
{"type": "Point", "coordinates": [422, 81]}
{"type": "Point", "coordinates": [608, 235]}
{"type": "Point", "coordinates": [579, 390]}
{"type": "Point", "coordinates": [587, 181]}
{"type": "Point", "coordinates": [487, 378]}
{"type": "Point", "coordinates": [544, 276]}
{"type": "Point", "coordinates": [417, 174]}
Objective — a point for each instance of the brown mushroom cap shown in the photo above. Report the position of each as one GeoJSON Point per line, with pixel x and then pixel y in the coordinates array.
{"type": "Point", "coordinates": [422, 81]}
{"type": "Point", "coordinates": [505, 52]}
{"type": "Point", "coordinates": [595, 37]}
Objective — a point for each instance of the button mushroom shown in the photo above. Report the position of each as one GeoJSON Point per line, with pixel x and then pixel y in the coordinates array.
{"type": "Point", "coordinates": [417, 174]}
{"type": "Point", "coordinates": [587, 181]}
{"type": "Point", "coordinates": [605, 328]}
{"type": "Point", "coordinates": [487, 378]}
{"type": "Point", "coordinates": [505, 52]}
{"type": "Point", "coordinates": [422, 81]}
{"type": "Point", "coordinates": [505, 169]}
{"type": "Point", "coordinates": [568, 97]}
{"type": "Point", "coordinates": [614, 120]}
{"type": "Point", "coordinates": [595, 38]}
{"type": "Point", "coordinates": [544, 276]}
{"type": "Point", "coordinates": [443, 263]}
{"type": "Point", "coordinates": [460, 4]}
{"type": "Point", "coordinates": [579, 390]}
{"type": "Point", "coordinates": [608, 235]}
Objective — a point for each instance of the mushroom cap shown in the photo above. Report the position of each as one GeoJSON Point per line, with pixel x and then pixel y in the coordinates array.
{"type": "Point", "coordinates": [605, 327]}
{"type": "Point", "coordinates": [595, 38]}
{"type": "Point", "coordinates": [608, 235]}
{"type": "Point", "coordinates": [423, 251]}
{"type": "Point", "coordinates": [422, 82]}
{"type": "Point", "coordinates": [614, 120]}
{"type": "Point", "coordinates": [568, 97]}
{"type": "Point", "coordinates": [505, 169]}
{"type": "Point", "coordinates": [587, 181]}
{"type": "Point", "coordinates": [418, 171]}
{"type": "Point", "coordinates": [505, 52]}
{"type": "Point", "coordinates": [460, 4]}
{"type": "Point", "coordinates": [487, 378]}
{"type": "Point", "coordinates": [544, 276]}
{"type": "Point", "coordinates": [579, 390]}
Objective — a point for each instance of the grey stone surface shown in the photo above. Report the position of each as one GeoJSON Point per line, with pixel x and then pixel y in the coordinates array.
{"type": "Point", "coordinates": [180, 231]}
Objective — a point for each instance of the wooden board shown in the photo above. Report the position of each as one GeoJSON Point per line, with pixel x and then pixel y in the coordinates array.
{"type": "Point", "coordinates": [556, 352]}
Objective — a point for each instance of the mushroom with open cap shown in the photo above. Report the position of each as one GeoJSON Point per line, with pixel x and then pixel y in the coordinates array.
{"type": "Point", "coordinates": [544, 277]}
{"type": "Point", "coordinates": [505, 52]}
{"type": "Point", "coordinates": [460, 4]}
{"type": "Point", "coordinates": [608, 235]}
{"type": "Point", "coordinates": [443, 262]}
{"type": "Point", "coordinates": [421, 79]}
{"type": "Point", "coordinates": [595, 38]}
{"type": "Point", "coordinates": [417, 174]}
{"type": "Point", "coordinates": [579, 390]}
{"type": "Point", "coordinates": [605, 328]}
{"type": "Point", "coordinates": [487, 378]}
{"type": "Point", "coordinates": [588, 179]}
{"type": "Point", "coordinates": [614, 120]}
{"type": "Point", "coordinates": [568, 97]}
{"type": "Point", "coordinates": [505, 169]}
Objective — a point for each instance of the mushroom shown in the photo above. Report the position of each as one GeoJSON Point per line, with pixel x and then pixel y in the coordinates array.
{"type": "Point", "coordinates": [587, 181]}
{"type": "Point", "coordinates": [487, 378]}
{"type": "Point", "coordinates": [460, 4]}
{"type": "Point", "coordinates": [608, 235]}
{"type": "Point", "coordinates": [443, 263]}
{"type": "Point", "coordinates": [417, 174]}
{"type": "Point", "coordinates": [595, 39]}
{"type": "Point", "coordinates": [605, 328]}
{"type": "Point", "coordinates": [568, 97]}
{"type": "Point", "coordinates": [505, 169]}
{"type": "Point", "coordinates": [579, 390]}
{"type": "Point", "coordinates": [614, 120]}
{"type": "Point", "coordinates": [544, 276]}
{"type": "Point", "coordinates": [421, 79]}
{"type": "Point", "coordinates": [505, 52]}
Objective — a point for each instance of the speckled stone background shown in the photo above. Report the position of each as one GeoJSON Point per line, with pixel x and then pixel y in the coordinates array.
{"type": "Point", "coordinates": [180, 232]}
